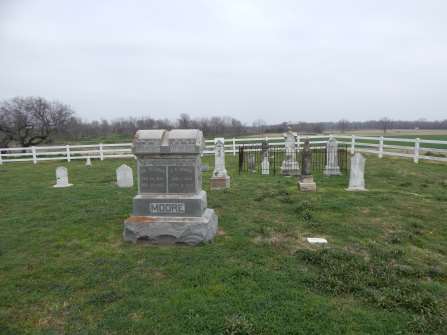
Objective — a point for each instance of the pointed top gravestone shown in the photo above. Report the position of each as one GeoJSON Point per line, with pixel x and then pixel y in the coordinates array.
{"type": "Point", "coordinates": [124, 176]}
{"type": "Point", "coordinates": [88, 162]}
{"type": "Point", "coordinates": [220, 178]}
{"type": "Point", "coordinates": [357, 174]}
{"type": "Point", "coordinates": [62, 177]}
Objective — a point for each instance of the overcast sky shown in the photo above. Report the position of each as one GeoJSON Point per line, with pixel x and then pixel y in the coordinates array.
{"type": "Point", "coordinates": [275, 60]}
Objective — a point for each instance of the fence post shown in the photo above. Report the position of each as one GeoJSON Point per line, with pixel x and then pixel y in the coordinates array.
{"type": "Point", "coordinates": [352, 144]}
{"type": "Point", "coordinates": [381, 147]}
{"type": "Point", "coordinates": [234, 146]}
{"type": "Point", "coordinates": [33, 149]}
{"type": "Point", "coordinates": [67, 149]}
{"type": "Point", "coordinates": [416, 150]}
{"type": "Point", "coordinates": [101, 152]}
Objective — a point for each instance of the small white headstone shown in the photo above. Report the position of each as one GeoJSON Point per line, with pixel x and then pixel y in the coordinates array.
{"type": "Point", "coordinates": [357, 174]}
{"type": "Point", "coordinates": [265, 166]}
{"type": "Point", "coordinates": [124, 176]}
{"type": "Point", "coordinates": [316, 240]}
{"type": "Point", "coordinates": [62, 177]}
{"type": "Point", "coordinates": [88, 162]}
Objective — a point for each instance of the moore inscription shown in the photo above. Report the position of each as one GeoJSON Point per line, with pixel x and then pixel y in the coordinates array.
{"type": "Point", "coordinates": [170, 208]}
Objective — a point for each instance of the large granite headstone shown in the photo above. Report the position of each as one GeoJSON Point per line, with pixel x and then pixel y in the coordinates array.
{"type": "Point", "coordinates": [170, 206]}
{"type": "Point", "coordinates": [332, 168]}
{"type": "Point", "coordinates": [124, 176]}
{"type": "Point", "coordinates": [357, 174]}
{"type": "Point", "coordinates": [220, 178]}
{"type": "Point", "coordinates": [306, 181]}
{"type": "Point", "coordinates": [62, 177]}
{"type": "Point", "coordinates": [290, 166]}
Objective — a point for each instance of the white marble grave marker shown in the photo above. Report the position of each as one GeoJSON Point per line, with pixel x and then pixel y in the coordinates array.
{"type": "Point", "coordinates": [316, 240]}
{"type": "Point", "coordinates": [220, 178]}
{"type": "Point", "coordinates": [332, 168]}
{"type": "Point", "coordinates": [124, 176]}
{"type": "Point", "coordinates": [289, 166]}
{"type": "Point", "coordinates": [88, 162]}
{"type": "Point", "coordinates": [357, 175]}
{"type": "Point", "coordinates": [62, 177]}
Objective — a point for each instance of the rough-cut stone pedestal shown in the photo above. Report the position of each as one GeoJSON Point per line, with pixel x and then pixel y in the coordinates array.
{"type": "Point", "coordinates": [171, 206]}
{"type": "Point", "coordinates": [171, 230]}
{"type": "Point", "coordinates": [307, 184]}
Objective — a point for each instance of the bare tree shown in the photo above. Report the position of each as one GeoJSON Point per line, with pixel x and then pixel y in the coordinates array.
{"type": "Point", "coordinates": [343, 125]}
{"type": "Point", "coordinates": [184, 121]}
{"type": "Point", "coordinates": [385, 124]}
{"type": "Point", "coordinates": [259, 125]}
{"type": "Point", "coordinates": [31, 120]}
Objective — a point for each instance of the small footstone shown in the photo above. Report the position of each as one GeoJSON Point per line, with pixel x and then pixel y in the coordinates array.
{"type": "Point", "coordinates": [316, 240]}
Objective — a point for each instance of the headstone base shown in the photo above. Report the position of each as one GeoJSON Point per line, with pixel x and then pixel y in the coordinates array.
{"type": "Point", "coordinates": [290, 171]}
{"type": "Point", "coordinates": [356, 189]}
{"type": "Point", "coordinates": [171, 230]}
{"type": "Point", "coordinates": [62, 186]}
{"type": "Point", "coordinates": [332, 171]}
{"type": "Point", "coordinates": [219, 183]}
{"type": "Point", "coordinates": [307, 184]}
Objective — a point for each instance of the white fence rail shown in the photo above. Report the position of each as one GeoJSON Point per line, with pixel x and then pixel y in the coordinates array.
{"type": "Point", "coordinates": [415, 149]}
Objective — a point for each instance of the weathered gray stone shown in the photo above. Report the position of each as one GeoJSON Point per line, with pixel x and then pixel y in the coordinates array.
{"type": "Point", "coordinates": [332, 168]}
{"type": "Point", "coordinates": [171, 206]}
{"type": "Point", "coordinates": [171, 230]}
{"type": "Point", "coordinates": [62, 177]}
{"type": "Point", "coordinates": [204, 168]}
{"type": "Point", "coordinates": [306, 181]}
{"type": "Point", "coordinates": [290, 166]}
{"type": "Point", "coordinates": [357, 174]}
{"type": "Point", "coordinates": [124, 176]}
{"type": "Point", "coordinates": [220, 178]}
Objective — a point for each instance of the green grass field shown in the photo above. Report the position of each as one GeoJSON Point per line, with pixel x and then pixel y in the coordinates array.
{"type": "Point", "coordinates": [64, 268]}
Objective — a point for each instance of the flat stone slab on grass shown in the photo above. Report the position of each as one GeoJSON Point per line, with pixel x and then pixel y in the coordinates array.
{"type": "Point", "coordinates": [316, 240]}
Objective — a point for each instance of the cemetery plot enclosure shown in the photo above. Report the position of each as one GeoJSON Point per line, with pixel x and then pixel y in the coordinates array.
{"type": "Point", "coordinates": [251, 157]}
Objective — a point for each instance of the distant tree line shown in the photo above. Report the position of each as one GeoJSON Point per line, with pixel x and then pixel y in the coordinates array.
{"type": "Point", "coordinates": [32, 121]}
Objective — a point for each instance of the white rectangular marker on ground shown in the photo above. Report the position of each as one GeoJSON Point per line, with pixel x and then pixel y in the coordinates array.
{"type": "Point", "coordinates": [316, 240]}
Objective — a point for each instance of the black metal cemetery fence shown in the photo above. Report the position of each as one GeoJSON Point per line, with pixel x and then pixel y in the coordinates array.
{"type": "Point", "coordinates": [251, 156]}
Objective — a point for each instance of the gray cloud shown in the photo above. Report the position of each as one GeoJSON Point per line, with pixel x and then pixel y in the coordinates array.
{"type": "Point", "coordinates": [279, 61]}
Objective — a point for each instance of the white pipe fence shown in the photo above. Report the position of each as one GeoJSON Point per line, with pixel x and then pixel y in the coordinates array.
{"type": "Point", "coordinates": [415, 149]}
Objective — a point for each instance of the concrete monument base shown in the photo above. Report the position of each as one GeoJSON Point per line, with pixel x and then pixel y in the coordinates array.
{"type": "Point", "coordinates": [328, 171]}
{"type": "Point", "coordinates": [307, 184]}
{"type": "Point", "coordinates": [171, 230]}
{"type": "Point", "coordinates": [219, 183]}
